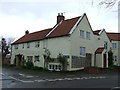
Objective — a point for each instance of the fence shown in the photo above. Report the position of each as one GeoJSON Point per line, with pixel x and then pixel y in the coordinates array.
{"type": "Point", "coordinates": [79, 62]}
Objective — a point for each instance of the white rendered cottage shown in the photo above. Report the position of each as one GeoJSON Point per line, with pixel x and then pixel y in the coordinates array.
{"type": "Point", "coordinates": [73, 38]}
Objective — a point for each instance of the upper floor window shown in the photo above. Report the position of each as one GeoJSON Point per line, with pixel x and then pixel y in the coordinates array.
{"type": "Point", "coordinates": [37, 44]}
{"type": "Point", "coordinates": [81, 33]}
{"type": "Point", "coordinates": [16, 46]}
{"type": "Point", "coordinates": [22, 45]}
{"type": "Point", "coordinates": [28, 45]}
{"type": "Point", "coordinates": [82, 51]}
{"type": "Point", "coordinates": [88, 35]}
{"type": "Point", "coordinates": [105, 44]}
{"type": "Point", "coordinates": [114, 45]}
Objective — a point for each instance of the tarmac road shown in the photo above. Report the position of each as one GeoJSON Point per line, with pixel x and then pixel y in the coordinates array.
{"type": "Point", "coordinates": [21, 79]}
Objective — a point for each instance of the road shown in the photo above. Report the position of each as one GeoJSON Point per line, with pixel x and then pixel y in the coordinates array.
{"type": "Point", "coordinates": [22, 79]}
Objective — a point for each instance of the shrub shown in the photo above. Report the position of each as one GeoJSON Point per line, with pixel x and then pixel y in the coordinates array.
{"type": "Point", "coordinates": [29, 64]}
{"type": "Point", "coordinates": [37, 68]}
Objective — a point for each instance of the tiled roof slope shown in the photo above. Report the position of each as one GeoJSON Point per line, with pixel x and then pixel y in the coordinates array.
{"type": "Point", "coordinates": [96, 32]}
{"type": "Point", "coordinates": [33, 36]}
{"type": "Point", "coordinates": [114, 36]}
{"type": "Point", "coordinates": [99, 50]}
{"type": "Point", "coordinates": [62, 29]}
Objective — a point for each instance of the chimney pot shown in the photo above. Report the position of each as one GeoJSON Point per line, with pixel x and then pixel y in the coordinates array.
{"type": "Point", "coordinates": [26, 32]}
{"type": "Point", "coordinates": [60, 17]}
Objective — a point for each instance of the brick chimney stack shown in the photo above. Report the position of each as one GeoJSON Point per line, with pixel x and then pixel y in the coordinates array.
{"type": "Point", "coordinates": [60, 17]}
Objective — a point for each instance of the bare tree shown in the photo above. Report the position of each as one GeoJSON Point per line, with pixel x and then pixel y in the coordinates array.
{"type": "Point", "coordinates": [107, 3]}
{"type": "Point", "coordinates": [5, 46]}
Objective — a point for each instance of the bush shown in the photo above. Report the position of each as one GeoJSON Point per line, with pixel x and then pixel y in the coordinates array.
{"type": "Point", "coordinates": [37, 68]}
{"type": "Point", "coordinates": [29, 65]}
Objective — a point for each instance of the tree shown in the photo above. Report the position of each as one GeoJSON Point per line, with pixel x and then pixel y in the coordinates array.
{"type": "Point", "coordinates": [110, 57]}
{"type": "Point", "coordinates": [46, 56]}
{"type": "Point", "coordinates": [5, 47]}
{"type": "Point", "coordinates": [62, 60]}
{"type": "Point", "coordinates": [108, 3]}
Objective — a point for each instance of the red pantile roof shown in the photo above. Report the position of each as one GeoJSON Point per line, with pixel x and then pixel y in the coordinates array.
{"type": "Point", "coordinates": [99, 50]}
{"type": "Point", "coordinates": [96, 32]}
{"type": "Point", "coordinates": [33, 36]}
{"type": "Point", "coordinates": [114, 36]}
{"type": "Point", "coordinates": [62, 29]}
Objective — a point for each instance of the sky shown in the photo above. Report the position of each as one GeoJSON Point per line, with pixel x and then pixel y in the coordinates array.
{"type": "Point", "coordinates": [17, 16]}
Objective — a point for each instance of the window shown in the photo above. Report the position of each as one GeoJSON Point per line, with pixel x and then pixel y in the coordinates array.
{"type": "Point", "coordinates": [28, 45]}
{"type": "Point", "coordinates": [36, 58]}
{"type": "Point", "coordinates": [105, 44]}
{"type": "Point", "coordinates": [88, 35]}
{"type": "Point", "coordinates": [37, 44]}
{"type": "Point", "coordinates": [115, 58]}
{"type": "Point", "coordinates": [55, 67]}
{"type": "Point", "coordinates": [114, 45]}
{"type": "Point", "coordinates": [16, 46]}
{"type": "Point", "coordinates": [22, 45]}
{"type": "Point", "coordinates": [29, 58]}
{"type": "Point", "coordinates": [81, 33]}
{"type": "Point", "coordinates": [82, 51]}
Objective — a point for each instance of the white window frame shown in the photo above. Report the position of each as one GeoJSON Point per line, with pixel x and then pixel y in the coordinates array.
{"type": "Point", "coordinates": [105, 44]}
{"type": "Point", "coordinates": [55, 67]}
{"type": "Point", "coordinates": [37, 44]}
{"type": "Point", "coordinates": [114, 45]}
{"type": "Point", "coordinates": [82, 35]}
{"type": "Point", "coordinates": [82, 51]}
{"type": "Point", "coordinates": [88, 35]}
{"type": "Point", "coordinates": [28, 45]}
{"type": "Point", "coordinates": [16, 46]}
{"type": "Point", "coordinates": [30, 58]}
{"type": "Point", "coordinates": [114, 58]}
{"type": "Point", "coordinates": [36, 58]}
{"type": "Point", "coordinates": [23, 45]}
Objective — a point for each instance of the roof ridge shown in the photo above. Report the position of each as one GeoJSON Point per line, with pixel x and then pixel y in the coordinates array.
{"type": "Point", "coordinates": [40, 31]}
{"type": "Point", "coordinates": [72, 18]}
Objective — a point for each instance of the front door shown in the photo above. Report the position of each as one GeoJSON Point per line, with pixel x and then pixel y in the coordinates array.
{"type": "Point", "coordinates": [19, 60]}
{"type": "Point", "coordinates": [105, 58]}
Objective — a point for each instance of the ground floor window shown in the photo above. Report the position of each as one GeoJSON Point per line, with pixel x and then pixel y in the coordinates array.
{"type": "Point", "coordinates": [115, 58]}
{"type": "Point", "coordinates": [82, 51]}
{"type": "Point", "coordinates": [54, 67]}
{"type": "Point", "coordinates": [29, 58]}
{"type": "Point", "coordinates": [36, 58]}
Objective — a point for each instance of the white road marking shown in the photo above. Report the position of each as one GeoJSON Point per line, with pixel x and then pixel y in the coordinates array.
{"type": "Point", "coordinates": [52, 80]}
{"type": "Point", "coordinates": [21, 74]}
{"type": "Point", "coordinates": [2, 74]}
{"type": "Point", "coordinates": [40, 80]}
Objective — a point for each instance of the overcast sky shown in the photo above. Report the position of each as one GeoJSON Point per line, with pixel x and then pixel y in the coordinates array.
{"type": "Point", "coordinates": [17, 16]}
